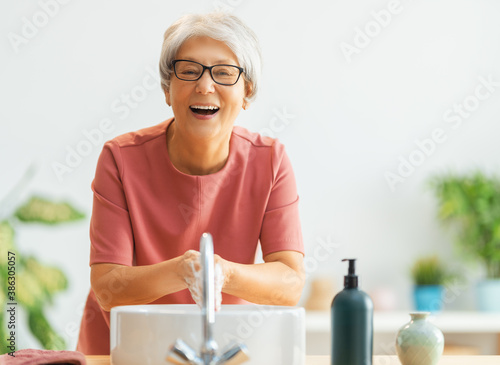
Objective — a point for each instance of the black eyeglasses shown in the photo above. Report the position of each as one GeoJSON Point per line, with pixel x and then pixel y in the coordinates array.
{"type": "Point", "coordinates": [192, 71]}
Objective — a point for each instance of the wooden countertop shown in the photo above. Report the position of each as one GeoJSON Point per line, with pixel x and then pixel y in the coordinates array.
{"type": "Point", "coordinates": [377, 360]}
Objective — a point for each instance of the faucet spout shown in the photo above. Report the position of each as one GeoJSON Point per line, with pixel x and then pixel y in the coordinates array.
{"type": "Point", "coordinates": [209, 346]}
{"type": "Point", "coordinates": [180, 352]}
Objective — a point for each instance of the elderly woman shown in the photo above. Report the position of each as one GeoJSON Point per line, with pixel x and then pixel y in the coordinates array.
{"type": "Point", "coordinates": [158, 189]}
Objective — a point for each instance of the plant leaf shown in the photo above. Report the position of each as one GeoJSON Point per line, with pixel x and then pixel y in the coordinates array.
{"type": "Point", "coordinates": [51, 279]}
{"type": "Point", "coordinates": [43, 331]}
{"type": "Point", "coordinates": [43, 211]}
{"type": "Point", "coordinates": [6, 243]}
{"type": "Point", "coordinates": [29, 292]}
{"type": "Point", "coordinates": [472, 204]}
{"type": "Point", "coordinates": [38, 283]}
{"type": "Point", "coordinates": [429, 271]}
{"type": "Point", "coordinates": [3, 343]}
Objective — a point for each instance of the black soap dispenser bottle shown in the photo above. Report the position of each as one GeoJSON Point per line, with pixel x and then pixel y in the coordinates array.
{"type": "Point", "coordinates": [352, 323]}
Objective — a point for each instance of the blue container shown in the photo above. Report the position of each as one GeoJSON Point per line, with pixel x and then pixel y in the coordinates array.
{"type": "Point", "coordinates": [428, 298]}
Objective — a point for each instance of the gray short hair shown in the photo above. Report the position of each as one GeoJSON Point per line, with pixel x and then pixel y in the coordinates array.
{"type": "Point", "coordinates": [219, 26]}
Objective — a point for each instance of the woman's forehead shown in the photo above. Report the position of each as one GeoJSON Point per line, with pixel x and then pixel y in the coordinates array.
{"type": "Point", "coordinates": [206, 50]}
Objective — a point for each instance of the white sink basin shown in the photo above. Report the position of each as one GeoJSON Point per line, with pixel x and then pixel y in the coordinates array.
{"type": "Point", "coordinates": [143, 334]}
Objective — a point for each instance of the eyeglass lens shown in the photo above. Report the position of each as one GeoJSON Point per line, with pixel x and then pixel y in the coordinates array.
{"type": "Point", "coordinates": [223, 74]}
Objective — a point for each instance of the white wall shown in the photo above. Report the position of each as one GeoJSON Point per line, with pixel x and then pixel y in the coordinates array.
{"type": "Point", "coordinates": [353, 108]}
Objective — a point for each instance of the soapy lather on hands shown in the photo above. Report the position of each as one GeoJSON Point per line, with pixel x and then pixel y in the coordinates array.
{"type": "Point", "coordinates": [194, 279]}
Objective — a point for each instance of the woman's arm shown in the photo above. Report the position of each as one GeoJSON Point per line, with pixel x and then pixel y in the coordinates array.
{"type": "Point", "coordinates": [277, 281]}
{"type": "Point", "coordinates": [115, 284]}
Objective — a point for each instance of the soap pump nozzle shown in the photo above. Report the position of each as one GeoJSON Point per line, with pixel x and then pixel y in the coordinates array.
{"type": "Point", "coordinates": [351, 279]}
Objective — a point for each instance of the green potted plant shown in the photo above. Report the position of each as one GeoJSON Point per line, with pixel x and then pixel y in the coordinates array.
{"type": "Point", "coordinates": [429, 275]}
{"type": "Point", "coordinates": [30, 284]}
{"type": "Point", "coordinates": [471, 205]}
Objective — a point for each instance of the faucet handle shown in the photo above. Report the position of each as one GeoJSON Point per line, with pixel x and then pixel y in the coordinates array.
{"type": "Point", "coordinates": [233, 354]}
{"type": "Point", "coordinates": [181, 354]}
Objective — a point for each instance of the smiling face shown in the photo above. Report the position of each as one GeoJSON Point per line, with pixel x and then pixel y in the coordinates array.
{"type": "Point", "coordinates": [202, 108]}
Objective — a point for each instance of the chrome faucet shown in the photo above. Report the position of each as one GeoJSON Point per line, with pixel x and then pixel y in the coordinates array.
{"type": "Point", "coordinates": [180, 353]}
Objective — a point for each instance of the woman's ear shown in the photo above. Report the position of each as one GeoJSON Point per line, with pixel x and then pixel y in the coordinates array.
{"type": "Point", "coordinates": [167, 95]}
{"type": "Point", "coordinates": [248, 89]}
{"type": "Point", "coordinates": [248, 92]}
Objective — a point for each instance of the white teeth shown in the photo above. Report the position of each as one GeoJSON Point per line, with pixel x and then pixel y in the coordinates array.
{"type": "Point", "coordinates": [206, 107]}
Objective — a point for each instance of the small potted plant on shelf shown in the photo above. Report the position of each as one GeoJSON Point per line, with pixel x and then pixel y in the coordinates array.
{"type": "Point", "coordinates": [471, 204]}
{"type": "Point", "coordinates": [429, 276]}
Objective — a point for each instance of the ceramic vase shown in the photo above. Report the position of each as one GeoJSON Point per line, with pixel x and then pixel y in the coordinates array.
{"type": "Point", "coordinates": [419, 342]}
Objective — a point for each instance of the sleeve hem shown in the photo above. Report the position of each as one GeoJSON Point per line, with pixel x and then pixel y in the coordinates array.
{"type": "Point", "coordinates": [277, 249]}
{"type": "Point", "coordinates": [99, 196]}
{"type": "Point", "coordinates": [107, 259]}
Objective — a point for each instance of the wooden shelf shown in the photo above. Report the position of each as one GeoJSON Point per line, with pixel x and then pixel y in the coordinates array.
{"type": "Point", "coordinates": [465, 331]}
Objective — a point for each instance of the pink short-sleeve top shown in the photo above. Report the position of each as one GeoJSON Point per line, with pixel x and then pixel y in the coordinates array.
{"type": "Point", "coordinates": [146, 211]}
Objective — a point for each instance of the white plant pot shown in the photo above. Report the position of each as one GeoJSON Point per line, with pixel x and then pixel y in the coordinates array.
{"type": "Point", "coordinates": [488, 295]}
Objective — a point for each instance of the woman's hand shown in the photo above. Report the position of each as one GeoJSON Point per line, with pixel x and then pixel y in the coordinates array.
{"type": "Point", "coordinates": [188, 265]}
{"type": "Point", "coordinates": [190, 271]}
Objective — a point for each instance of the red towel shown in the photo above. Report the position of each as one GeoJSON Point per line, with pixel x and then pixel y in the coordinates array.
{"type": "Point", "coordinates": [43, 357]}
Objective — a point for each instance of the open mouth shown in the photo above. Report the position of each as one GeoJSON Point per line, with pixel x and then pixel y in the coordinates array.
{"type": "Point", "coordinates": [204, 110]}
